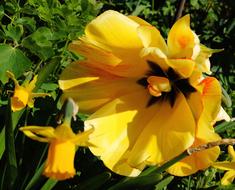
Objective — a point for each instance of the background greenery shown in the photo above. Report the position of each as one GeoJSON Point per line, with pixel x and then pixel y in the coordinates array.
{"type": "Point", "coordinates": [34, 35]}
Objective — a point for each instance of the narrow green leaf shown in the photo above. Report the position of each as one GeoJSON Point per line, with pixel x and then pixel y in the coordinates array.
{"type": "Point", "coordinates": [139, 182]}
{"type": "Point", "coordinates": [50, 183]}
{"type": "Point", "coordinates": [161, 185]}
{"type": "Point", "coordinates": [224, 126]}
{"type": "Point", "coordinates": [10, 149]}
{"type": "Point", "coordinates": [46, 71]}
{"type": "Point", "coordinates": [36, 177]}
{"type": "Point", "coordinates": [95, 182]}
{"type": "Point", "coordinates": [15, 118]}
{"type": "Point", "coordinates": [14, 60]}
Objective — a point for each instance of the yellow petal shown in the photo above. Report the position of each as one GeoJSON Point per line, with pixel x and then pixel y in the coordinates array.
{"type": "Point", "coordinates": [60, 160]}
{"type": "Point", "coordinates": [228, 177]}
{"type": "Point", "coordinates": [225, 165]}
{"type": "Point", "coordinates": [95, 93]}
{"type": "Point", "coordinates": [183, 66]}
{"type": "Point", "coordinates": [139, 20]}
{"type": "Point", "coordinates": [32, 84]}
{"type": "Point", "coordinates": [166, 135]}
{"type": "Point", "coordinates": [94, 53]}
{"type": "Point", "coordinates": [197, 161]}
{"type": "Point", "coordinates": [42, 134]}
{"type": "Point", "coordinates": [113, 29]}
{"type": "Point", "coordinates": [211, 97]}
{"type": "Point", "coordinates": [82, 138]}
{"type": "Point", "coordinates": [151, 37]}
{"type": "Point", "coordinates": [19, 99]}
{"type": "Point", "coordinates": [231, 152]}
{"type": "Point", "coordinates": [116, 128]}
{"type": "Point", "coordinates": [182, 41]}
{"type": "Point", "coordinates": [64, 132]}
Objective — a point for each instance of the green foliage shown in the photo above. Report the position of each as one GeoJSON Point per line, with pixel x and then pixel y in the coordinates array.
{"type": "Point", "coordinates": [34, 38]}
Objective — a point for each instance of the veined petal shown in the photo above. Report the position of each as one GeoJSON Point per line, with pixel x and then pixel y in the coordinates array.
{"type": "Point", "coordinates": [166, 135]}
{"type": "Point", "coordinates": [114, 29]}
{"type": "Point", "coordinates": [182, 41]}
{"type": "Point", "coordinates": [94, 53]}
{"type": "Point", "coordinates": [117, 126]}
{"type": "Point", "coordinates": [95, 93]}
{"type": "Point", "coordinates": [183, 66]}
{"type": "Point", "coordinates": [41, 134]}
{"type": "Point", "coordinates": [228, 177]}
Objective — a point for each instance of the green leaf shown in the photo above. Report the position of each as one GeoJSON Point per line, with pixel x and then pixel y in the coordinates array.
{"type": "Point", "coordinates": [28, 22]}
{"type": "Point", "coordinates": [14, 32]}
{"type": "Point", "coordinates": [49, 86]}
{"type": "Point", "coordinates": [139, 182]}
{"type": "Point", "coordinates": [50, 183]}
{"type": "Point", "coordinates": [163, 184]}
{"type": "Point", "coordinates": [14, 60]}
{"type": "Point", "coordinates": [46, 71]}
{"type": "Point", "coordinates": [15, 118]}
{"type": "Point", "coordinates": [10, 149]}
{"type": "Point", "coordinates": [95, 182]}
{"type": "Point", "coordinates": [36, 177]}
{"type": "Point", "coordinates": [224, 126]}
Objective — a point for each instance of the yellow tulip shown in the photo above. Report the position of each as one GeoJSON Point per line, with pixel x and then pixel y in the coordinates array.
{"type": "Point", "coordinates": [142, 92]}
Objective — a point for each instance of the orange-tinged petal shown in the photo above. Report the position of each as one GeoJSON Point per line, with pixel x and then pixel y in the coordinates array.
{"type": "Point", "coordinates": [228, 177]}
{"type": "Point", "coordinates": [114, 29]}
{"type": "Point", "coordinates": [211, 96]}
{"type": "Point", "coordinates": [19, 99]}
{"type": "Point", "coordinates": [166, 135]}
{"type": "Point", "coordinates": [95, 93]}
{"type": "Point", "coordinates": [117, 125]}
{"type": "Point", "coordinates": [60, 160]}
{"type": "Point", "coordinates": [182, 41]}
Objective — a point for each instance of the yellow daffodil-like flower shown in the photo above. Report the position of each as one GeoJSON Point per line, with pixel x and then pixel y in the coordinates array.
{"type": "Point", "coordinates": [23, 95]}
{"type": "Point", "coordinates": [142, 92]}
{"type": "Point", "coordinates": [62, 148]}
{"type": "Point", "coordinates": [229, 166]}
{"type": "Point", "coordinates": [209, 109]}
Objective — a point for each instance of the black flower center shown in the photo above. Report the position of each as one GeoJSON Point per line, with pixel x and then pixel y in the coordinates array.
{"type": "Point", "coordinates": [177, 83]}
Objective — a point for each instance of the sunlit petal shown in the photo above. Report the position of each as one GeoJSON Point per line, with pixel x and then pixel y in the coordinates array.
{"type": "Point", "coordinates": [182, 41]}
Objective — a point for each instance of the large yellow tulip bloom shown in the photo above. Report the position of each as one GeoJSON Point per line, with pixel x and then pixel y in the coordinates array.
{"type": "Point", "coordinates": [140, 90]}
